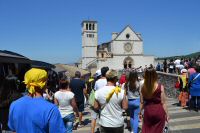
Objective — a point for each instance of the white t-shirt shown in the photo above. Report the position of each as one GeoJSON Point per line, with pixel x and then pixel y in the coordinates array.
{"type": "Point", "coordinates": [111, 115]}
{"type": "Point", "coordinates": [177, 62]}
{"type": "Point", "coordinates": [100, 83]}
{"type": "Point", "coordinates": [64, 104]}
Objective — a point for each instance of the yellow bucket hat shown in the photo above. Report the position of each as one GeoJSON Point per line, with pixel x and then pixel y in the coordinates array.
{"type": "Point", "coordinates": [35, 77]}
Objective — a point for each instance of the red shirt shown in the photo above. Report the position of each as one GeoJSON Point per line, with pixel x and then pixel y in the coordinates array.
{"type": "Point", "coordinates": [122, 79]}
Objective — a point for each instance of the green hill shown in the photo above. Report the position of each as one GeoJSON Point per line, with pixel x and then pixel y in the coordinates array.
{"type": "Point", "coordinates": [192, 55]}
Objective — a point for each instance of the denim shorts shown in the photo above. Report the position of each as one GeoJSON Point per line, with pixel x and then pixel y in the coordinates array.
{"type": "Point", "coordinates": [69, 118]}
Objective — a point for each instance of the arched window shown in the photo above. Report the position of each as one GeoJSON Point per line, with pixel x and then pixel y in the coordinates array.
{"type": "Point", "coordinates": [90, 26]}
{"type": "Point", "coordinates": [87, 26]}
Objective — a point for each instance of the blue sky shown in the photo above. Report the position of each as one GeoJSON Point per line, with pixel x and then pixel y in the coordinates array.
{"type": "Point", "coordinates": [50, 30]}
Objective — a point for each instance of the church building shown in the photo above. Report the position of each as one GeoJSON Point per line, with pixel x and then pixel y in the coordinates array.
{"type": "Point", "coordinates": [124, 50]}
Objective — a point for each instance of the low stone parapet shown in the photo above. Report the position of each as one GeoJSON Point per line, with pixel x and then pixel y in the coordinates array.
{"type": "Point", "coordinates": [168, 80]}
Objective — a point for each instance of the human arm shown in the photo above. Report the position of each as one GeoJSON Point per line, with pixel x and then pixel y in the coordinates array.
{"type": "Point", "coordinates": [97, 105]}
{"type": "Point", "coordinates": [141, 103]}
{"type": "Point", "coordinates": [85, 93]}
{"type": "Point", "coordinates": [74, 106]}
{"type": "Point", "coordinates": [56, 101]}
{"type": "Point", "coordinates": [164, 102]}
{"type": "Point", "coordinates": [125, 101]}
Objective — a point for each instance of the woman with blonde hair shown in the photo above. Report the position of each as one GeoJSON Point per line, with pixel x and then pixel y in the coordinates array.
{"type": "Point", "coordinates": [153, 101]}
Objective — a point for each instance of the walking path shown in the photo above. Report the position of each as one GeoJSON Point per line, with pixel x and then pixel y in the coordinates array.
{"type": "Point", "coordinates": [181, 120]}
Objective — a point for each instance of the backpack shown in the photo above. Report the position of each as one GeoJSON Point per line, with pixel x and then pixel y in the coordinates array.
{"type": "Point", "coordinates": [92, 98]}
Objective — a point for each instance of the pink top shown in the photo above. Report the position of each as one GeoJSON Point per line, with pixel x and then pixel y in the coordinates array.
{"type": "Point", "coordinates": [191, 71]}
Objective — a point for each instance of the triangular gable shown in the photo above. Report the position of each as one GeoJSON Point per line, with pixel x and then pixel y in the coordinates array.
{"type": "Point", "coordinates": [124, 32]}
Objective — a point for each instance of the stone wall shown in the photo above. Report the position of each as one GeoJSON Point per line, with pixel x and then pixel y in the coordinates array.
{"type": "Point", "coordinates": [168, 80]}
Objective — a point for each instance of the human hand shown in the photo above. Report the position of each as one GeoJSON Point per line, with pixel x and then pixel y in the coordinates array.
{"type": "Point", "coordinates": [167, 118]}
{"type": "Point", "coordinates": [140, 116]}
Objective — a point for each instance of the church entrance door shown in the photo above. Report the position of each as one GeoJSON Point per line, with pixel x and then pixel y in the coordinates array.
{"type": "Point", "coordinates": [128, 62]}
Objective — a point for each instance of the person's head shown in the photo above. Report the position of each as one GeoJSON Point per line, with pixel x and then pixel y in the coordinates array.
{"type": "Point", "coordinates": [98, 74]}
{"type": "Point", "coordinates": [63, 84]}
{"type": "Point", "coordinates": [77, 74]}
{"type": "Point", "coordinates": [197, 68]}
{"type": "Point", "coordinates": [112, 76]}
{"type": "Point", "coordinates": [104, 70]}
{"type": "Point", "coordinates": [150, 78]}
{"type": "Point", "coordinates": [151, 66]}
{"type": "Point", "coordinates": [35, 80]}
{"type": "Point", "coordinates": [183, 71]}
{"type": "Point", "coordinates": [132, 78]}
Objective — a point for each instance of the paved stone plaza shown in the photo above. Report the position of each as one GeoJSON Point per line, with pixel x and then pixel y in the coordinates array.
{"type": "Point", "coordinates": [181, 120]}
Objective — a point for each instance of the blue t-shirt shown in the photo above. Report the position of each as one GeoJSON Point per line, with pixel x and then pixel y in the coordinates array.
{"type": "Point", "coordinates": [35, 115]}
{"type": "Point", "coordinates": [195, 85]}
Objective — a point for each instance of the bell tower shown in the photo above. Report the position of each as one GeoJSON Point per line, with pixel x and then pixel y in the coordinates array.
{"type": "Point", "coordinates": [89, 42]}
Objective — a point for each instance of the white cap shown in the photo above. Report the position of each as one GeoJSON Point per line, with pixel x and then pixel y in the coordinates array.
{"type": "Point", "coordinates": [183, 70]}
{"type": "Point", "coordinates": [98, 73]}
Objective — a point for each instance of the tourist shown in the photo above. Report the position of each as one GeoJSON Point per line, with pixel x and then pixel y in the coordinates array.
{"type": "Point", "coordinates": [111, 101]}
{"type": "Point", "coordinates": [158, 67]}
{"type": "Point", "coordinates": [198, 60]}
{"type": "Point", "coordinates": [153, 101]}
{"type": "Point", "coordinates": [133, 89]}
{"type": "Point", "coordinates": [8, 93]}
{"type": "Point", "coordinates": [165, 65]}
{"type": "Point", "coordinates": [65, 100]}
{"type": "Point", "coordinates": [101, 82]}
{"type": "Point", "coordinates": [191, 69]}
{"type": "Point", "coordinates": [32, 113]}
{"type": "Point", "coordinates": [194, 87]}
{"type": "Point", "coordinates": [171, 66]}
{"type": "Point", "coordinates": [183, 96]}
{"type": "Point", "coordinates": [78, 87]}
{"type": "Point", "coordinates": [122, 79]}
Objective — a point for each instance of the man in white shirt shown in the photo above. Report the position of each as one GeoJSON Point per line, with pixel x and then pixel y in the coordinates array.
{"type": "Point", "coordinates": [111, 100]}
{"type": "Point", "coordinates": [101, 82]}
{"type": "Point", "coordinates": [177, 62]}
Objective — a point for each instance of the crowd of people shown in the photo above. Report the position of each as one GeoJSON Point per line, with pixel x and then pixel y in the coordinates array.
{"type": "Point", "coordinates": [188, 84]}
{"type": "Point", "coordinates": [175, 65]}
{"type": "Point", "coordinates": [109, 94]}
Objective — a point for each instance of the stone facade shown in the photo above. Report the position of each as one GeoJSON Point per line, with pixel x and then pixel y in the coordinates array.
{"type": "Point", "coordinates": [125, 50]}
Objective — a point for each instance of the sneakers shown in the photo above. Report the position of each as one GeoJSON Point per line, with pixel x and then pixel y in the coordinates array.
{"type": "Point", "coordinates": [81, 125]}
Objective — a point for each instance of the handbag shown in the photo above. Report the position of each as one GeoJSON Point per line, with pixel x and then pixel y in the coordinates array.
{"type": "Point", "coordinates": [166, 128]}
{"type": "Point", "coordinates": [177, 85]}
